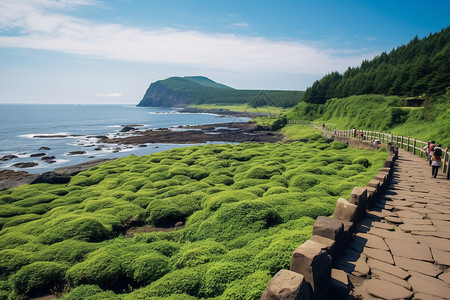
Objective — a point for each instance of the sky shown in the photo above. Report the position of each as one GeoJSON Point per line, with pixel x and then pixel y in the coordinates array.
{"type": "Point", "coordinates": [109, 52]}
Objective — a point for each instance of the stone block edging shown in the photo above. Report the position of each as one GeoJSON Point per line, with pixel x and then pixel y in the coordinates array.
{"type": "Point", "coordinates": [314, 258]}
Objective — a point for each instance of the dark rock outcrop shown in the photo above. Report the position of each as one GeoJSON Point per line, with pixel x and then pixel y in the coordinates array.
{"type": "Point", "coordinates": [159, 95]}
{"type": "Point", "coordinates": [37, 154]}
{"type": "Point", "coordinates": [76, 152]}
{"type": "Point", "coordinates": [10, 179]}
{"type": "Point", "coordinates": [63, 174]}
{"type": "Point", "coordinates": [8, 157]}
{"type": "Point", "coordinates": [44, 148]}
{"type": "Point", "coordinates": [127, 129]}
{"type": "Point", "coordinates": [26, 165]}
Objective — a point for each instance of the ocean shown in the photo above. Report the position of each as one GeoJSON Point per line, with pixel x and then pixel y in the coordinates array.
{"type": "Point", "coordinates": [67, 128]}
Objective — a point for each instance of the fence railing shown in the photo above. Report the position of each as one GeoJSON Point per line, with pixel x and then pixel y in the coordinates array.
{"type": "Point", "coordinates": [413, 145]}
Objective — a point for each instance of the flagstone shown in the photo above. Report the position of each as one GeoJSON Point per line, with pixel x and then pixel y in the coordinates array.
{"type": "Point", "coordinates": [434, 242]}
{"type": "Point", "coordinates": [387, 290]}
{"type": "Point", "coordinates": [416, 265]}
{"type": "Point", "coordinates": [388, 268]}
{"type": "Point", "coordinates": [420, 285]}
{"type": "Point", "coordinates": [409, 249]}
{"type": "Point", "coordinates": [441, 257]}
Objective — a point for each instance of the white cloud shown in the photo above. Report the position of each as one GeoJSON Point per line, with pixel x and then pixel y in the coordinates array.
{"type": "Point", "coordinates": [45, 25]}
{"type": "Point", "coordinates": [240, 24]}
{"type": "Point", "coordinates": [108, 95]}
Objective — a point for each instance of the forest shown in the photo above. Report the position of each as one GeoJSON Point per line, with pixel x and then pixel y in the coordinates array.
{"type": "Point", "coordinates": [420, 68]}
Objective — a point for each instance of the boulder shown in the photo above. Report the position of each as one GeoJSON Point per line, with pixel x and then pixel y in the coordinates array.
{"type": "Point", "coordinates": [287, 285]}
{"type": "Point", "coordinates": [44, 148]}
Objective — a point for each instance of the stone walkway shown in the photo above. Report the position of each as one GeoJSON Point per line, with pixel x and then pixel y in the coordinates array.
{"type": "Point", "coordinates": [401, 249]}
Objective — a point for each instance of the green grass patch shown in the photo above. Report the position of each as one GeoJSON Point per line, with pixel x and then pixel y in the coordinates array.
{"type": "Point", "coordinates": [245, 208]}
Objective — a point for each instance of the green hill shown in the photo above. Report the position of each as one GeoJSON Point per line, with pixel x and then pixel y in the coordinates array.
{"type": "Point", "coordinates": [377, 94]}
{"type": "Point", "coordinates": [184, 91]}
{"type": "Point", "coordinates": [422, 67]}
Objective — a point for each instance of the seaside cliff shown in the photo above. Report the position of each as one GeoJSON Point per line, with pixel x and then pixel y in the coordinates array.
{"type": "Point", "coordinates": [159, 95]}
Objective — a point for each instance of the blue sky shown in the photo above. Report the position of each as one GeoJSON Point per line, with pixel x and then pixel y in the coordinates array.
{"type": "Point", "coordinates": [93, 51]}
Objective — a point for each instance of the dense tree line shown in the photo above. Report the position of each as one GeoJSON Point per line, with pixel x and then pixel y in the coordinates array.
{"type": "Point", "coordinates": [422, 67]}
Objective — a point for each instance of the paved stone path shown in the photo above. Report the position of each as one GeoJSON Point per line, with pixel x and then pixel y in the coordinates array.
{"type": "Point", "coordinates": [401, 249]}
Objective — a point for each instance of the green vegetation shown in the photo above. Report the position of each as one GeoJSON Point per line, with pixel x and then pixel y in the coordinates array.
{"type": "Point", "coordinates": [246, 207]}
{"type": "Point", "coordinates": [422, 67]}
{"type": "Point", "coordinates": [201, 90]}
{"type": "Point", "coordinates": [242, 108]}
{"type": "Point", "coordinates": [381, 113]}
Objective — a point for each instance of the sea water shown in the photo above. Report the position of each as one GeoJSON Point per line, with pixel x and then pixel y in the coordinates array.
{"type": "Point", "coordinates": [69, 128]}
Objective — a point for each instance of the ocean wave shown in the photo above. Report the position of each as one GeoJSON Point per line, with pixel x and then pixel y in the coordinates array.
{"type": "Point", "coordinates": [50, 135]}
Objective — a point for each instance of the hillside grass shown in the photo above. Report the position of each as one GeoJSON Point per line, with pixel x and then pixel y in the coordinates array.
{"type": "Point", "coordinates": [297, 132]}
{"type": "Point", "coordinates": [382, 113]}
{"type": "Point", "coordinates": [242, 108]}
{"type": "Point", "coordinates": [246, 207]}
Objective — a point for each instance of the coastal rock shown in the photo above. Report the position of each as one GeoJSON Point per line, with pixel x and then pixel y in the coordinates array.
{"type": "Point", "coordinates": [76, 152]}
{"type": "Point", "coordinates": [48, 157]}
{"type": "Point", "coordinates": [26, 165]}
{"type": "Point", "coordinates": [63, 174]}
{"type": "Point", "coordinates": [44, 148]}
{"type": "Point", "coordinates": [8, 157]}
{"type": "Point", "coordinates": [10, 179]}
{"type": "Point", "coordinates": [56, 136]}
{"type": "Point", "coordinates": [127, 129]}
{"type": "Point", "coordinates": [37, 154]}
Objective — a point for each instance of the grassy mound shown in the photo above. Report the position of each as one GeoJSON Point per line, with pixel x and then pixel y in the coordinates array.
{"type": "Point", "coordinates": [245, 208]}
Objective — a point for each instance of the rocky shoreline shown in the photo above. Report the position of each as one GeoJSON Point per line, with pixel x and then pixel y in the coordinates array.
{"type": "Point", "coordinates": [222, 132]}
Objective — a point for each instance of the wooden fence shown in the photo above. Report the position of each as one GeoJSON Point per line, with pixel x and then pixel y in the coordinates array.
{"type": "Point", "coordinates": [409, 144]}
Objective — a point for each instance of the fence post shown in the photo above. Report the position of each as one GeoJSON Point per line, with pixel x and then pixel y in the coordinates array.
{"type": "Point", "coordinates": [446, 161]}
{"type": "Point", "coordinates": [414, 147]}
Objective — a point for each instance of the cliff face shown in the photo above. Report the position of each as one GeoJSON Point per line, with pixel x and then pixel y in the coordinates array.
{"type": "Point", "coordinates": [159, 95]}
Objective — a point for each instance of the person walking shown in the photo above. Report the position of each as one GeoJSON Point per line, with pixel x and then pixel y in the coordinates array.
{"type": "Point", "coordinates": [436, 160]}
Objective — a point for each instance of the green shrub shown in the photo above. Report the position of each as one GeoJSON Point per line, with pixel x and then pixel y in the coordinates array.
{"type": "Point", "coordinates": [234, 219]}
{"type": "Point", "coordinates": [11, 240]}
{"type": "Point", "coordinates": [90, 292]}
{"type": "Point", "coordinates": [250, 287]}
{"type": "Point", "coordinates": [362, 161]}
{"type": "Point", "coordinates": [276, 190]}
{"type": "Point", "coordinates": [304, 181]}
{"type": "Point", "coordinates": [184, 281]}
{"type": "Point", "coordinates": [38, 277]}
{"type": "Point", "coordinates": [103, 268]}
{"type": "Point", "coordinates": [338, 145]}
{"type": "Point", "coordinates": [164, 213]}
{"type": "Point", "coordinates": [214, 179]}
{"type": "Point", "coordinates": [215, 201]}
{"type": "Point", "coordinates": [9, 210]}
{"type": "Point", "coordinates": [197, 253]}
{"type": "Point", "coordinates": [150, 267]}
{"type": "Point", "coordinates": [81, 228]}
{"type": "Point", "coordinates": [12, 260]}
{"type": "Point", "coordinates": [218, 276]}
{"type": "Point", "coordinates": [71, 251]}
{"type": "Point", "coordinates": [166, 248]}
{"type": "Point", "coordinates": [17, 220]}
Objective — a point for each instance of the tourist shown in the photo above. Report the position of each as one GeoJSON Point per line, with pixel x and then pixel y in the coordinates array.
{"type": "Point", "coordinates": [427, 151]}
{"type": "Point", "coordinates": [361, 135]}
{"type": "Point", "coordinates": [436, 160]}
{"type": "Point", "coordinates": [431, 149]}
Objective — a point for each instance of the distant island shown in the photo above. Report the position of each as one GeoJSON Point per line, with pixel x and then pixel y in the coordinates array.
{"type": "Point", "coordinates": [190, 90]}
